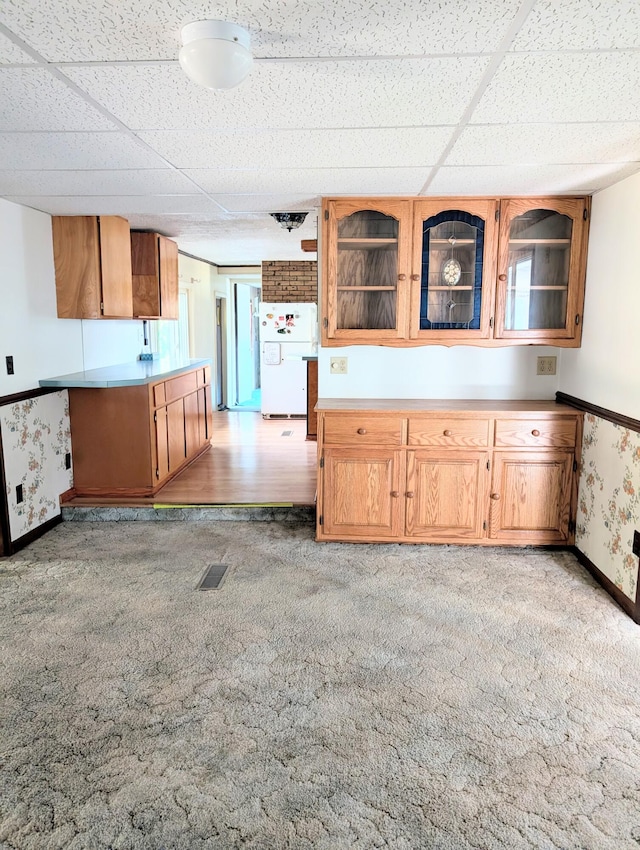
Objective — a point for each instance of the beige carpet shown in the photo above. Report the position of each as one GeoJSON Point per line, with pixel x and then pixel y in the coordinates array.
{"type": "Point", "coordinates": [327, 696]}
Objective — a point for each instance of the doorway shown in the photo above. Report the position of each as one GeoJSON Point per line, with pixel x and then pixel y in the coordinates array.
{"type": "Point", "coordinates": [220, 400]}
{"type": "Point", "coordinates": [247, 346]}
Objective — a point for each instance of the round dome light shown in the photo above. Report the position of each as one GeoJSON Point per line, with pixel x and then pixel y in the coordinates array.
{"type": "Point", "coordinates": [215, 54]}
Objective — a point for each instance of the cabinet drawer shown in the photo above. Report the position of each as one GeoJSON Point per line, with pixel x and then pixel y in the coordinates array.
{"type": "Point", "coordinates": [204, 376]}
{"type": "Point", "coordinates": [356, 430]}
{"type": "Point", "coordinates": [560, 433]}
{"type": "Point", "coordinates": [448, 432]}
{"type": "Point", "coordinates": [182, 385]}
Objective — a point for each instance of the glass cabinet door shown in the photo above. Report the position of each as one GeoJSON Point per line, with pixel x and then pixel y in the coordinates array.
{"type": "Point", "coordinates": [539, 268]}
{"type": "Point", "coordinates": [453, 250]}
{"type": "Point", "coordinates": [366, 256]}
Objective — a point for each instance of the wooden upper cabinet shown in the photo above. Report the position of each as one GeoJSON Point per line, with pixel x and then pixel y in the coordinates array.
{"type": "Point", "coordinates": [412, 271]}
{"type": "Point", "coordinates": [366, 268]}
{"type": "Point", "coordinates": [453, 278]}
{"type": "Point", "coordinates": [92, 258]}
{"type": "Point", "coordinates": [541, 269]}
{"type": "Point", "coordinates": [154, 262]}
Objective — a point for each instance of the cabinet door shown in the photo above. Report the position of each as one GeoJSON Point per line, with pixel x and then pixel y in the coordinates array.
{"type": "Point", "coordinates": [162, 443]}
{"type": "Point", "coordinates": [541, 266]}
{"type": "Point", "coordinates": [453, 277]}
{"type": "Point", "coordinates": [191, 425]}
{"type": "Point", "coordinates": [531, 497]}
{"type": "Point", "coordinates": [76, 255]}
{"type": "Point", "coordinates": [365, 270]}
{"type": "Point", "coordinates": [176, 434]}
{"type": "Point", "coordinates": [168, 263]}
{"type": "Point", "coordinates": [446, 495]}
{"type": "Point", "coordinates": [115, 259]}
{"type": "Point", "coordinates": [362, 498]}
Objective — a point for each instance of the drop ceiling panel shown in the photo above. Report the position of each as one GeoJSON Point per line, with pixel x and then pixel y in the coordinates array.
{"type": "Point", "coordinates": [33, 99]}
{"type": "Point", "coordinates": [136, 29]}
{"type": "Point", "coordinates": [267, 203]}
{"type": "Point", "coordinates": [11, 54]}
{"type": "Point", "coordinates": [563, 88]}
{"type": "Point", "coordinates": [315, 181]}
{"type": "Point", "coordinates": [502, 144]}
{"type": "Point", "coordinates": [528, 179]}
{"type": "Point", "coordinates": [81, 151]}
{"type": "Point", "coordinates": [414, 147]}
{"type": "Point", "coordinates": [385, 93]}
{"type": "Point", "coordinates": [125, 182]}
{"type": "Point", "coordinates": [112, 205]}
{"type": "Point", "coordinates": [574, 24]}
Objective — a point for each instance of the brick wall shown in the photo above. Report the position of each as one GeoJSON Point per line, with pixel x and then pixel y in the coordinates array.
{"type": "Point", "coordinates": [290, 280]}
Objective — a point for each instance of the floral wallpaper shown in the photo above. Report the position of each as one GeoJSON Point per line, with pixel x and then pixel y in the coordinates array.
{"type": "Point", "coordinates": [609, 501]}
{"type": "Point", "coordinates": [36, 436]}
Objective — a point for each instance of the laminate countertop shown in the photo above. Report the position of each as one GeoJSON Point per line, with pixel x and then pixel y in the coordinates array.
{"type": "Point", "coordinates": [130, 374]}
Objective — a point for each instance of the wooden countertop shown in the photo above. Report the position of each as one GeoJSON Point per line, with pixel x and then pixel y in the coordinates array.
{"type": "Point", "coordinates": [418, 405]}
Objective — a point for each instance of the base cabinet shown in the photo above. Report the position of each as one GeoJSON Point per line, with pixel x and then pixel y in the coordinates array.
{"type": "Point", "coordinates": [167, 424]}
{"type": "Point", "coordinates": [484, 473]}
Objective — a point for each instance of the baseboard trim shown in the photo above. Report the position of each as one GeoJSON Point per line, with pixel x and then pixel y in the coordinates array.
{"type": "Point", "coordinates": [34, 534]}
{"type": "Point", "coordinates": [628, 605]}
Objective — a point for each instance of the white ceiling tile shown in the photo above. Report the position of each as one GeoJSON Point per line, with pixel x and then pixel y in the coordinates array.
{"type": "Point", "coordinates": [44, 151]}
{"type": "Point", "coordinates": [528, 179]}
{"type": "Point", "coordinates": [111, 205]}
{"type": "Point", "coordinates": [572, 24]}
{"type": "Point", "coordinates": [504, 144]}
{"type": "Point", "coordinates": [384, 93]}
{"type": "Point", "coordinates": [33, 99]}
{"type": "Point", "coordinates": [409, 146]}
{"type": "Point", "coordinates": [137, 29]}
{"type": "Point", "coordinates": [267, 203]}
{"type": "Point", "coordinates": [314, 181]}
{"type": "Point", "coordinates": [125, 182]}
{"type": "Point", "coordinates": [11, 54]}
{"type": "Point", "coordinates": [563, 88]}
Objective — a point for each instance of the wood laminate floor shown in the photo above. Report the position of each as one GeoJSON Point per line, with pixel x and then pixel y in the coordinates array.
{"type": "Point", "coordinates": [251, 461]}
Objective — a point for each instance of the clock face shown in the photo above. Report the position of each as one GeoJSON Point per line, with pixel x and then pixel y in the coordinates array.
{"type": "Point", "coordinates": [451, 272]}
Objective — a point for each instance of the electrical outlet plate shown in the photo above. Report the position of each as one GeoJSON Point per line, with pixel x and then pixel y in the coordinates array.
{"type": "Point", "coordinates": [547, 365]}
{"type": "Point", "coordinates": [338, 365]}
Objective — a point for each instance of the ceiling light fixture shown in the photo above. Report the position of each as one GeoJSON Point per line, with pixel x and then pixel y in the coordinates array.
{"type": "Point", "coordinates": [289, 220]}
{"type": "Point", "coordinates": [215, 54]}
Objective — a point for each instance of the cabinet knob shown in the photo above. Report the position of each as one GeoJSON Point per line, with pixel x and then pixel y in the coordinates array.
{"type": "Point", "coordinates": [415, 277]}
{"type": "Point", "coordinates": [362, 430]}
{"type": "Point", "coordinates": [535, 432]}
{"type": "Point", "coordinates": [409, 494]}
{"type": "Point", "coordinates": [402, 277]}
{"type": "Point", "coordinates": [502, 277]}
{"type": "Point", "coordinates": [495, 497]}
{"type": "Point", "coordinates": [447, 433]}
{"type": "Point", "coordinates": [395, 494]}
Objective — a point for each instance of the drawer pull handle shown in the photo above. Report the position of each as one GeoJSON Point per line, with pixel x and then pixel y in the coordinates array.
{"type": "Point", "coordinates": [362, 430]}
{"type": "Point", "coordinates": [415, 277]}
{"type": "Point", "coordinates": [535, 432]}
{"type": "Point", "coordinates": [409, 494]}
{"type": "Point", "coordinates": [447, 433]}
{"type": "Point", "coordinates": [402, 277]}
{"type": "Point", "coordinates": [495, 497]}
{"type": "Point", "coordinates": [502, 277]}
{"type": "Point", "coordinates": [395, 494]}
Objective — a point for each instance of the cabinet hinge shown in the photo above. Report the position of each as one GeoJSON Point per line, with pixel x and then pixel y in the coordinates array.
{"type": "Point", "coordinates": [102, 306]}
{"type": "Point", "coordinates": [155, 417]}
{"type": "Point", "coordinates": [484, 525]}
{"type": "Point", "coordinates": [498, 214]}
{"type": "Point", "coordinates": [326, 215]}
{"type": "Point", "coordinates": [488, 464]}
{"type": "Point", "coordinates": [577, 318]}
{"type": "Point", "coordinates": [572, 526]}
{"type": "Point", "coordinates": [320, 520]}
{"type": "Point", "coordinates": [491, 322]}
{"type": "Point", "coordinates": [322, 462]}
{"type": "Point", "coordinates": [585, 214]}
{"type": "Point", "coordinates": [325, 322]}
{"type": "Point", "coordinates": [575, 466]}
{"type": "Point", "coordinates": [157, 472]}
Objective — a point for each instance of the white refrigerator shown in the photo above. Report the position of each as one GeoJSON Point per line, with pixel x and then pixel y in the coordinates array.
{"type": "Point", "coordinates": [288, 333]}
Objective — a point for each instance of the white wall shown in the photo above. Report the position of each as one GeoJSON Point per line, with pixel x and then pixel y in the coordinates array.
{"type": "Point", "coordinates": [434, 371]}
{"type": "Point", "coordinates": [606, 369]}
{"type": "Point", "coordinates": [42, 345]}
